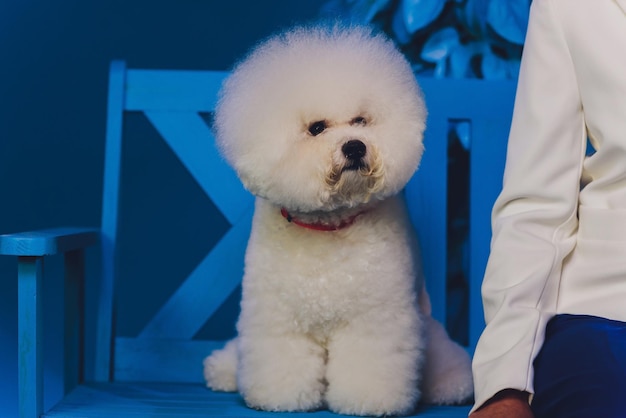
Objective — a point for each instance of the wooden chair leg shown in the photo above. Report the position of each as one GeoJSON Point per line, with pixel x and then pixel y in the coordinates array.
{"type": "Point", "coordinates": [74, 318]}
{"type": "Point", "coordinates": [30, 329]}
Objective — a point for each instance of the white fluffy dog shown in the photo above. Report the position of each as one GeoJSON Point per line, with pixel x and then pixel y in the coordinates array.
{"type": "Point", "coordinates": [324, 125]}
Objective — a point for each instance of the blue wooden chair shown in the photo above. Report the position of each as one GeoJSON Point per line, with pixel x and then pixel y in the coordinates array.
{"type": "Point", "coordinates": [159, 372]}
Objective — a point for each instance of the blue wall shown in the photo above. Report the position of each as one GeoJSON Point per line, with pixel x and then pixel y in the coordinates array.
{"type": "Point", "coordinates": [54, 60]}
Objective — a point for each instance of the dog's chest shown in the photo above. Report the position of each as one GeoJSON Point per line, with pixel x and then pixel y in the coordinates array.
{"type": "Point", "coordinates": [321, 280]}
{"type": "Point", "coordinates": [325, 295]}
{"type": "Point", "coordinates": [322, 273]}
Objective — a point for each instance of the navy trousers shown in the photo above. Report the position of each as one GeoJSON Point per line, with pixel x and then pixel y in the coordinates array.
{"type": "Point", "coordinates": [580, 371]}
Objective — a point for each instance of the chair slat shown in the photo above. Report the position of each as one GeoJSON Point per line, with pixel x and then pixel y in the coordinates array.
{"type": "Point", "coordinates": [192, 141]}
{"type": "Point", "coordinates": [109, 223]}
{"type": "Point", "coordinates": [161, 359]}
{"type": "Point", "coordinates": [172, 90]}
{"type": "Point", "coordinates": [47, 241]}
{"type": "Point", "coordinates": [487, 161]}
{"type": "Point", "coordinates": [204, 291]}
{"type": "Point", "coordinates": [426, 196]}
{"type": "Point", "coordinates": [165, 400]}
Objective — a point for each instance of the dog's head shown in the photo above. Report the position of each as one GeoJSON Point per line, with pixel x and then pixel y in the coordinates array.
{"type": "Point", "coordinates": [322, 118]}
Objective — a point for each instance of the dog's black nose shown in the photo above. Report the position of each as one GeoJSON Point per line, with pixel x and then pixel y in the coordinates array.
{"type": "Point", "coordinates": [354, 150]}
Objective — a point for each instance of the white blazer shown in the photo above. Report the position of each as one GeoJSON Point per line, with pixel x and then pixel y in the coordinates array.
{"type": "Point", "coordinates": [559, 225]}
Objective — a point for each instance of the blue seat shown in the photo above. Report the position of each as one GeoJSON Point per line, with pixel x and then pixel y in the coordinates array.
{"type": "Point", "coordinates": [158, 372]}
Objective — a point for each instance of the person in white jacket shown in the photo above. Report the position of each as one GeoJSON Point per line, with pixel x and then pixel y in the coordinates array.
{"type": "Point", "coordinates": [554, 290]}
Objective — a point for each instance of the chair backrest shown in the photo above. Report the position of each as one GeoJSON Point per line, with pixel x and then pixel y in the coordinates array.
{"type": "Point", "coordinates": [173, 102]}
{"type": "Point", "coordinates": [176, 103]}
{"type": "Point", "coordinates": [451, 195]}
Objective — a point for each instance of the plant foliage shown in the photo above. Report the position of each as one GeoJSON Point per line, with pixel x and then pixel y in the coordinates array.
{"type": "Point", "coordinates": [448, 38]}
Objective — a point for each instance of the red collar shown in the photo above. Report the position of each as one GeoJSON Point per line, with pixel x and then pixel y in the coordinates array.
{"type": "Point", "coordinates": [317, 226]}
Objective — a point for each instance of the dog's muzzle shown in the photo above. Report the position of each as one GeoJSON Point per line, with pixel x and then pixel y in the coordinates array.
{"type": "Point", "coordinates": [354, 151]}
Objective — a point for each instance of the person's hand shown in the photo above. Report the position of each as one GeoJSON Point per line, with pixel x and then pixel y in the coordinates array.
{"type": "Point", "coordinates": [508, 403]}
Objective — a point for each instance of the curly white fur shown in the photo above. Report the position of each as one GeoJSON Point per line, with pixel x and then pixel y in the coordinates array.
{"type": "Point", "coordinates": [325, 123]}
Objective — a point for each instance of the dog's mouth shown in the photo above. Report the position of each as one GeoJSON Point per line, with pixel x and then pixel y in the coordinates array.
{"type": "Point", "coordinates": [355, 166]}
{"type": "Point", "coordinates": [356, 176]}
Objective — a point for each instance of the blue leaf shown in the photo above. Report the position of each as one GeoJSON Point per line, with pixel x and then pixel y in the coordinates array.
{"type": "Point", "coordinates": [461, 56]}
{"type": "Point", "coordinates": [440, 44]}
{"type": "Point", "coordinates": [473, 15]}
{"type": "Point", "coordinates": [441, 69]}
{"type": "Point", "coordinates": [509, 18]}
{"type": "Point", "coordinates": [399, 29]}
{"type": "Point", "coordinates": [494, 67]}
{"type": "Point", "coordinates": [419, 13]}
{"type": "Point", "coordinates": [366, 10]}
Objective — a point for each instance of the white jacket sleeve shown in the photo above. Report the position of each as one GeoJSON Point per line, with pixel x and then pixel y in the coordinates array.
{"type": "Point", "coordinates": [534, 219]}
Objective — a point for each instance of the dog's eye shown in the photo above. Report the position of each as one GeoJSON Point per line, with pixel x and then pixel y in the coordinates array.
{"type": "Point", "coordinates": [317, 128]}
{"type": "Point", "coordinates": [359, 120]}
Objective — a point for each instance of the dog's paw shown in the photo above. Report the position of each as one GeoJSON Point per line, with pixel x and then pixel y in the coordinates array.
{"type": "Point", "coordinates": [285, 398]}
{"type": "Point", "coordinates": [282, 374]}
{"type": "Point", "coordinates": [372, 379]}
{"type": "Point", "coordinates": [220, 368]}
{"type": "Point", "coordinates": [365, 399]}
{"type": "Point", "coordinates": [359, 395]}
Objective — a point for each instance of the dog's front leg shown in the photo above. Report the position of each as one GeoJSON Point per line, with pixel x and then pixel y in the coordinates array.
{"type": "Point", "coordinates": [373, 365]}
{"type": "Point", "coordinates": [281, 373]}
